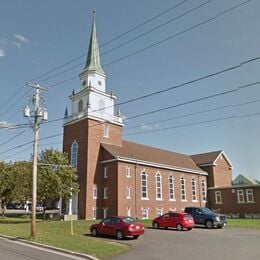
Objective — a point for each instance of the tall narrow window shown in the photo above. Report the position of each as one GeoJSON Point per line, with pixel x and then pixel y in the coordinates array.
{"type": "Point", "coordinates": [203, 190]}
{"type": "Point", "coordinates": [94, 213]}
{"type": "Point", "coordinates": [128, 211]}
{"type": "Point", "coordinates": [104, 212]}
{"type": "Point", "coordinates": [74, 154]}
{"type": "Point", "coordinates": [128, 193]}
{"type": "Point", "coordinates": [94, 191]}
{"type": "Point", "coordinates": [194, 189]}
{"type": "Point", "coordinates": [218, 198]}
{"type": "Point", "coordinates": [105, 192]}
{"type": "Point", "coordinates": [183, 189]}
{"type": "Point", "coordinates": [80, 106]}
{"type": "Point", "coordinates": [105, 172]}
{"type": "Point", "coordinates": [171, 187]}
{"type": "Point", "coordinates": [249, 195]}
{"type": "Point", "coordinates": [158, 186]}
{"type": "Point", "coordinates": [144, 187]}
{"type": "Point", "coordinates": [127, 172]}
{"type": "Point", "coordinates": [106, 130]}
{"type": "Point", "coordinates": [145, 213]}
{"type": "Point", "coordinates": [240, 196]}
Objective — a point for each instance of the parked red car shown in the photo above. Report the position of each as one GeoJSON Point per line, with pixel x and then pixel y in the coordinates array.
{"type": "Point", "coordinates": [178, 220]}
{"type": "Point", "coordinates": [118, 226]}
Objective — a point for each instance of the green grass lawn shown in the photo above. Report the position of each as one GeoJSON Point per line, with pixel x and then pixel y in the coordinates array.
{"type": "Point", "coordinates": [58, 234]}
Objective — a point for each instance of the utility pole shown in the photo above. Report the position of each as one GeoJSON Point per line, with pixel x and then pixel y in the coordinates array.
{"type": "Point", "coordinates": [39, 114]}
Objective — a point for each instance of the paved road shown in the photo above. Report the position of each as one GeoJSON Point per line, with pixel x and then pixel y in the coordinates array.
{"type": "Point", "coordinates": [200, 243]}
{"type": "Point", "coordinates": [14, 250]}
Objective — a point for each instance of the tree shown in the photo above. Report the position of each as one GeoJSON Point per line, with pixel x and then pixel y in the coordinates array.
{"type": "Point", "coordinates": [15, 182]}
{"type": "Point", "coordinates": [56, 178]}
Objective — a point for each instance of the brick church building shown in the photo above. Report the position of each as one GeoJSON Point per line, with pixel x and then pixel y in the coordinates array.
{"type": "Point", "coordinates": [118, 177]}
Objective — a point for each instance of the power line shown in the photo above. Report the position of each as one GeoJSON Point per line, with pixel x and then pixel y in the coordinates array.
{"type": "Point", "coordinates": [193, 124]}
{"type": "Point", "coordinates": [12, 138]}
{"type": "Point", "coordinates": [234, 67]}
{"type": "Point", "coordinates": [113, 39]}
{"type": "Point", "coordinates": [133, 39]}
{"type": "Point", "coordinates": [196, 100]}
{"type": "Point", "coordinates": [156, 43]}
{"type": "Point", "coordinates": [155, 111]}
{"type": "Point", "coordinates": [194, 113]}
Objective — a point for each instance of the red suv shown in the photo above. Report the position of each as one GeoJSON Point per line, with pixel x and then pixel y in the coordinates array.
{"type": "Point", "coordinates": [118, 226]}
{"type": "Point", "coordinates": [178, 220]}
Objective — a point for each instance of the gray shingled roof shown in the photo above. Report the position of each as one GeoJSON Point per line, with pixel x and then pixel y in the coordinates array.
{"type": "Point", "coordinates": [205, 158]}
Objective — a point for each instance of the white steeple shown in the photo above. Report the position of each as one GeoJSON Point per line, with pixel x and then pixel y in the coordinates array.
{"type": "Point", "coordinates": [92, 101]}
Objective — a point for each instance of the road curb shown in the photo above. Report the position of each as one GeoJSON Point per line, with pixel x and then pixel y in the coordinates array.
{"type": "Point", "coordinates": [65, 251]}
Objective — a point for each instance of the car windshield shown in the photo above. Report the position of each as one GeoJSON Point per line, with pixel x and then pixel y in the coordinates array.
{"type": "Point", "coordinates": [206, 211]}
{"type": "Point", "coordinates": [187, 216]}
{"type": "Point", "coordinates": [128, 219]}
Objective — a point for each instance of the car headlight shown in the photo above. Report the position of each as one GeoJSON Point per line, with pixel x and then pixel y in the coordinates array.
{"type": "Point", "coordinates": [217, 218]}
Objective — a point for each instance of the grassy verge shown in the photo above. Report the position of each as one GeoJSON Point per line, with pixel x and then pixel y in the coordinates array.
{"type": "Point", "coordinates": [244, 223]}
{"type": "Point", "coordinates": [58, 234]}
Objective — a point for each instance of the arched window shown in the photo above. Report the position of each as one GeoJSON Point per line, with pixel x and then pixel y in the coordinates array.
{"type": "Point", "coordinates": [74, 154]}
{"type": "Point", "coordinates": [183, 189]}
{"type": "Point", "coordinates": [80, 106]}
{"type": "Point", "coordinates": [144, 186]}
{"type": "Point", "coordinates": [158, 186]}
{"type": "Point", "coordinates": [171, 188]}
{"type": "Point", "coordinates": [194, 189]}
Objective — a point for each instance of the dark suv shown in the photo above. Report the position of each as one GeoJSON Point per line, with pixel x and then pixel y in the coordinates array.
{"type": "Point", "coordinates": [206, 217]}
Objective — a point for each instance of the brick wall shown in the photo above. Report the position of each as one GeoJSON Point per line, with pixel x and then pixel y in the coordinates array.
{"type": "Point", "coordinates": [230, 203]}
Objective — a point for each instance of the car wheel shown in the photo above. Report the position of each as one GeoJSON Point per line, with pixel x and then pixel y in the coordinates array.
{"type": "Point", "coordinates": [189, 228]}
{"type": "Point", "coordinates": [219, 226]}
{"type": "Point", "coordinates": [94, 232]}
{"type": "Point", "coordinates": [156, 225]}
{"type": "Point", "coordinates": [119, 235]}
{"type": "Point", "coordinates": [136, 236]}
{"type": "Point", "coordinates": [179, 227]}
{"type": "Point", "coordinates": [209, 224]}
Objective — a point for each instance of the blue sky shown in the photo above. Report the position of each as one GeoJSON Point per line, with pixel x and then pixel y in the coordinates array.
{"type": "Point", "coordinates": [37, 36]}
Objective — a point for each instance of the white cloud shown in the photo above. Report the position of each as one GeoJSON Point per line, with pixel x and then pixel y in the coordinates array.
{"type": "Point", "coordinates": [5, 124]}
{"type": "Point", "coordinates": [21, 38]}
{"type": "Point", "coordinates": [2, 52]}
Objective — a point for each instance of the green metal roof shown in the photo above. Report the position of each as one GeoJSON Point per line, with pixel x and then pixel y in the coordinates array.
{"type": "Point", "coordinates": [93, 59]}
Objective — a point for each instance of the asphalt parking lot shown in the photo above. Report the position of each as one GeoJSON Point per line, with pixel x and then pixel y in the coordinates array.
{"type": "Point", "coordinates": [197, 244]}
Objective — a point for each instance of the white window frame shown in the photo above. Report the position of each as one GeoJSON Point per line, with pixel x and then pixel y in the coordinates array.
{"type": "Point", "coordinates": [203, 190]}
{"type": "Point", "coordinates": [128, 172]}
{"type": "Point", "coordinates": [145, 213]}
{"type": "Point", "coordinates": [94, 191]}
{"type": "Point", "coordinates": [74, 154]}
{"type": "Point", "coordinates": [171, 188]}
{"type": "Point", "coordinates": [194, 189]}
{"type": "Point", "coordinates": [218, 197]}
{"type": "Point", "coordinates": [105, 130]}
{"type": "Point", "coordinates": [183, 189]}
{"type": "Point", "coordinates": [158, 180]}
{"type": "Point", "coordinates": [242, 198]}
{"type": "Point", "coordinates": [144, 186]}
{"type": "Point", "coordinates": [105, 212]}
{"type": "Point", "coordinates": [128, 193]}
{"type": "Point", "coordinates": [159, 212]}
{"type": "Point", "coordinates": [105, 172]}
{"type": "Point", "coordinates": [105, 192]}
{"type": "Point", "coordinates": [128, 211]}
{"type": "Point", "coordinates": [249, 192]}
{"type": "Point", "coordinates": [94, 213]}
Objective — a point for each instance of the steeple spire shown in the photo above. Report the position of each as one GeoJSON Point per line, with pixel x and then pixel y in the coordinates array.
{"type": "Point", "coordinates": [93, 59]}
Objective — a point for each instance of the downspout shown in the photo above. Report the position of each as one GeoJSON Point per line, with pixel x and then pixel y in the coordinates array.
{"type": "Point", "coordinates": [135, 199]}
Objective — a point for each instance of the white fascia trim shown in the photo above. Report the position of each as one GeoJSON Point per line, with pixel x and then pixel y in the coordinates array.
{"type": "Point", "coordinates": [223, 154]}
{"type": "Point", "coordinates": [158, 165]}
{"type": "Point", "coordinates": [90, 117]}
{"type": "Point", "coordinates": [247, 186]}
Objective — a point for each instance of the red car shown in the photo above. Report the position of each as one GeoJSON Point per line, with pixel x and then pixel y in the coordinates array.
{"type": "Point", "coordinates": [118, 226]}
{"type": "Point", "coordinates": [178, 220]}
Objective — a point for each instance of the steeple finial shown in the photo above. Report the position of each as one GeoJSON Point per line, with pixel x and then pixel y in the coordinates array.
{"type": "Point", "coordinates": [93, 59]}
